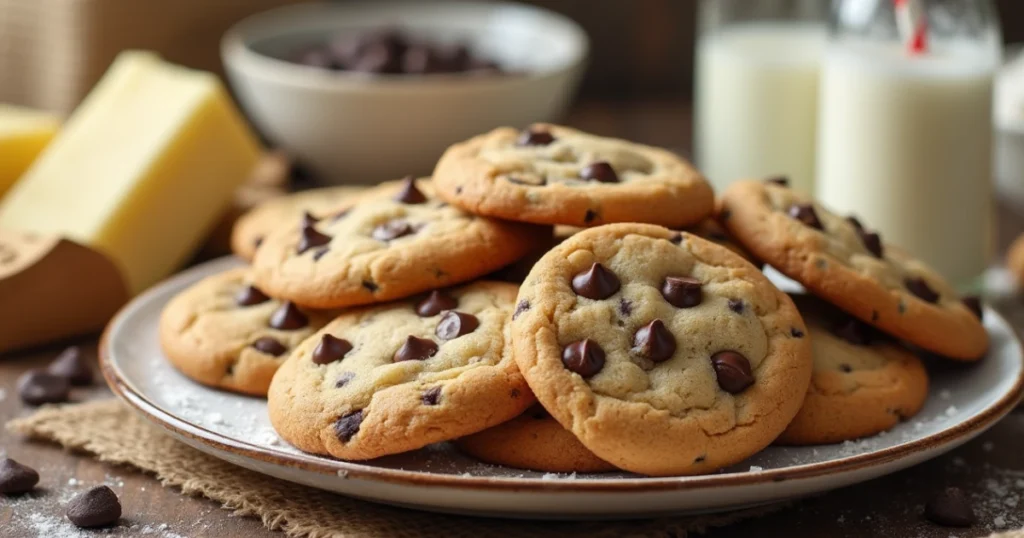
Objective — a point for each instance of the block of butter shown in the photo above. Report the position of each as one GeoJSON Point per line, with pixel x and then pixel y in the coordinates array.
{"type": "Point", "coordinates": [23, 135]}
{"type": "Point", "coordinates": [141, 171]}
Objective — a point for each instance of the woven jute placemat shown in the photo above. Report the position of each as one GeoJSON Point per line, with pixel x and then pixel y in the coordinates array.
{"type": "Point", "coordinates": [114, 433]}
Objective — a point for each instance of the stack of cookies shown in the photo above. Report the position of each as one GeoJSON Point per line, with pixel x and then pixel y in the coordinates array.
{"type": "Point", "coordinates": [558, 301]}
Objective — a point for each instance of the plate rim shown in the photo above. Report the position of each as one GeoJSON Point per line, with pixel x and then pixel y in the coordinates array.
{"type": "Point", "coordinates": [123, 389]}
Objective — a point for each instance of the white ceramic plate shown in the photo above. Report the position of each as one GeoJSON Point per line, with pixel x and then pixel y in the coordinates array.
{"type": "Point", "coordinates": [964, 401]}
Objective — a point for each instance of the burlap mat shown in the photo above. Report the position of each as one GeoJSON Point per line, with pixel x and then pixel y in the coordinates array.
{"type": "Point", "coordinates": [115, 434]}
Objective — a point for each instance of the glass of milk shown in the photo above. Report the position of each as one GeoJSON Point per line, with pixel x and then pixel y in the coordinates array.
{"type": "Point", "coordinates": [905, 135]}
{"type": "Point", "coordinates": [756, 89]}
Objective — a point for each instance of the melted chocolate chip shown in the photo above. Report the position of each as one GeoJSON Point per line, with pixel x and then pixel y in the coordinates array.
{"type": "Point", "coordinates": [855, 222]}
{"type": "Point", "coordinates": [585, 357]}
{"type": "Point", "coordinates": [311, 238]}
{"type": "Point", "coordinates": [625, 307]}
{"type": "Point", "coordinates": [270, 346]}
{"type": "Point", "coordinates": [736, 305]}
{"type": "Point", "coordinates": [416, 349]}
{"type": "Point", "coordinates": [347, 426]}
{"type": "Point", "coordinates": [343, 379]}
{"type": "Point", "coordinates": [521, 306]}
{"type": "Point", "coordinates": [596, 283]}
{"type": "Point", "coordinates": [782, 181]}
{"type": "Point", "coordinates": [654, 342]}
{"type": "Point", "coordinates": [435, 303]}
{"type": "Point", "coordinates": [250, 295]}
{"type": "Point", "coordinates": [921, 289]}
{"type": "Point", "coordinates": [535, 137]}
{"type": "Point", "coordinates": [682, 292]}
{"type": "Point", "coordinates": [392, 229]}
{"type": "Point", "coordinates": [973, 303]}
{"type": "Point", "coordinates": [72, 365]}
{"type": "Point", "coordinates": [732, 370]}
{"type": "Point", "coordinates": [330, 349]}
{"type": "Point", "coordinates": [796, 333]}
{"type": "Point", "coordinates": [37, 387]}
{"type": "Point", "coordinates": [872, 242]}
{"type": "Point", "coordinates": [676, 239]}
{"type": "Point", "coordinates": [308, 219]}
{"type": "Point", "coordinates": [805, 213]}
{"type": "Point", "coordinates": [589, 216]}
{"type": "Point", "coordinates": [600, 171]}
{"type": "Point", "coordinates": [370, 285]}
{"type": "Point", "coordinates": [950, 508]}
{"type": "Point", "coordinates": [455, 324]}
{"type": "Point", "coordinates": [16, 478]}
{"type": "Point", "coordinates": [431, 396]}
{"type": "Point", "coordinates": [409, 194]}
{"type": "Point", "coordinates": [854, 332]}
{"type": "Point", "coordinates": [288, 317]}
{"type": "Point", "coordinates": [95, 507]}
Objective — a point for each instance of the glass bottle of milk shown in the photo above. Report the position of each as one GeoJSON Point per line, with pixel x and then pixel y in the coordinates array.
{"type": "Point", "coordinates": [756, 89]}
{"type": "Point", "coordinates": [905, 125]}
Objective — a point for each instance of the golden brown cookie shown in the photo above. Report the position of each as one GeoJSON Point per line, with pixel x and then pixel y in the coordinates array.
{"type": "Point", "coordinates": [533, 441]}
{"type": "Point", "coordinates": [396, 377]}
{"type": "Point", "coordinates": [550, 174]}
{"type": "Point", "coordinates": [708, 229]}
{"type": "Point", "coordinates": [663, 353]}
{"type": "Point", "coordinates": [1015, 259]}
{"type": "Point", "coordinates": [226, 333]}
{"type": "Point", "coordinates": [840, 260]}
{"type": "Point", "coordinates": [397, 241]}
{"type": "Point", "coordinates": [863, 383]}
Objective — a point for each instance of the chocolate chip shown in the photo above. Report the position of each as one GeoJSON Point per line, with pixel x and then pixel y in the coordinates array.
{"type": "Point", "coordinates": [732, 370]}
{"type": "Point", "coordinates": [409, 194]}
{"type": "Point", "coordinates": [392, 229]}
{"type": "Point", "coordinates": [682, 292]}
{"type": "Point", "coordinates": [319, 253]}
{"type": "Point", "coordinates": [973, 303]}
{"type": "Point", "coordinates": [950, 508]}
{"type": "Point", "coordinates": [596, 283]}
{"type": "Point", "coordinates": [625, 307]}
{"type": "Point", "coordinates": [95, 507]}
{"type": "Point", "coordinates": [600, 171]}
{"type": "Point", "coordinates": [521, 306]}
{"type": "Point", "coordinates": [872, 242]}
{"type": "Point", "coordinates": [308, 219]}
{"type": "Point", "coordinates": [347, 426]}
{"type": "Point", "coordinates": [37, 387]}
{"type": "Point", "coordinates": [921, 289]}
{"type": "Point", "coordinates": [534, 137]}
{"type": "Point", "coordinates": [250, 295]}
{"type": "Point", "coordinates": [370, 285]}
{"type": "Point", "coordinates": [330, 349]}
{"type": "Point", "coordinates": [16, 478]}
{"type": "Point", "coordinates": [736, 305]}
{"type": "Point", "coordinates": [73, 366]}
{"type": "Point", "coordinates": [676, 239]}
{"type": "Point", "coordinates": [416, 349]}
{"type": "Point", "coordinates": [343, 379]}
{"type": "Point", "coordinates": [854, 332]}
{"type": "Point", "coordinates": [431, 396]}
{"type": "Point", "coordinates": [782, 181]}
{"type": "Point", "coordinates": [455, 324]}
{"type": "Point", "coordinates": [270, 346]}
{"type": "Point", "coordinates": [796, 333]}
{"type": "Point", "coordinates": [311, 238]}
{"type": "Point", "coordinates": [805, 213]}
{"type": "Point", "coordinates": [654, 342]}
{"type": "Point", "coordinates": [435, 303]}
{"type": "Point", "coordinates": [589, 216]}
{"type": "Point", "coordinates": [585, 357]}
{"type": "Point", "coordinates": [845, 368]}
{"type": "Point", "coordinates": [288, 317]}
{"type": "Point", "coordinates": [855, 223]}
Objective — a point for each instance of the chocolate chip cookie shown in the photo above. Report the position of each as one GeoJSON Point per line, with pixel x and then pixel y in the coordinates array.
{"type": "Point", "coordinates": [392, 378]}
{"type": "Point", "coordinates": [394, 243]}
{"type": "Point", "coordinates": [863, 382]}
{"type": "Point", "coordinates": [253, 227]}
{"type": "Point", "coordinates": [843, 261]}
{"type": "Point", "coordinates": [550, 174]}
{"type": "Point", "coordinates": [663, 353]}
{"type": "Point", "coordinates": [227, 333]}
{"type": "Point", "coordinates": [1015, 260]}
{"type": "Point", "coordinates": [708, 229]}
{"type": "Point", "coordinates": [533, 441]}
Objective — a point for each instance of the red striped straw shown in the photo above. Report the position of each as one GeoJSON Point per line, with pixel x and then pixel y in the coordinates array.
{"type": "Point", "coordinates": [912, 25]}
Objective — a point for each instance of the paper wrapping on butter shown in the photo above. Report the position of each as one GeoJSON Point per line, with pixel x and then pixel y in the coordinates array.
{"type": "Point", "coordinates": [53, 51]}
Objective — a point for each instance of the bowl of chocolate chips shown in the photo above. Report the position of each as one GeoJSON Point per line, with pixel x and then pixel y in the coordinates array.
{"type": "Point", "coordinates": [361, 92]}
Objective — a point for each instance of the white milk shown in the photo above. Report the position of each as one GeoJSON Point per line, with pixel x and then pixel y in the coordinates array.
{"type": "Point", "coordinates": [756, 102]}
{"type": "Point", "coordinates": [905, 143]}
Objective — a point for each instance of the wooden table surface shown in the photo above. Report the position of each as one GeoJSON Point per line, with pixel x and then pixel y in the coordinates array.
{"type": "Point", "coordinates": [989, 468]}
